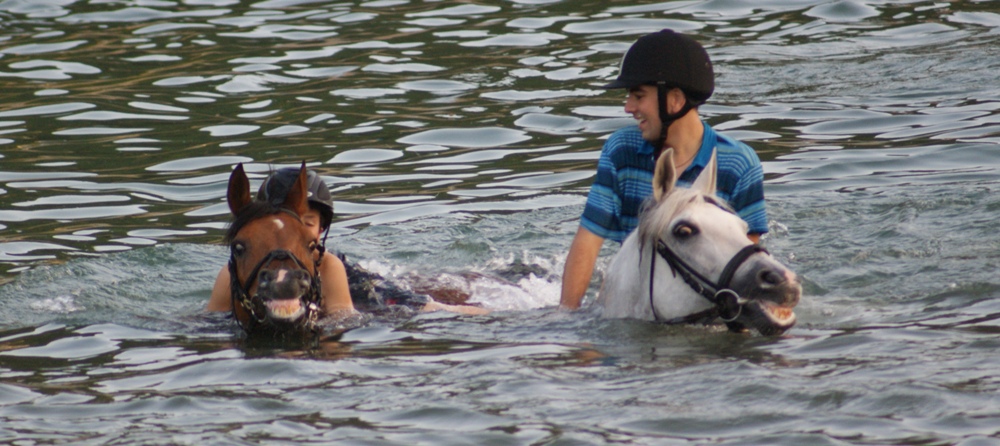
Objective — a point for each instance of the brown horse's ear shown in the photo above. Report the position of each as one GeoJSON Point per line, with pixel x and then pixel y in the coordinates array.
{"type": "Point", "coordinates": [664, 175]}
{"type": "Point", "coordinates": [238, 195]}
{"type": "Point", "coordinates": [298, 196]}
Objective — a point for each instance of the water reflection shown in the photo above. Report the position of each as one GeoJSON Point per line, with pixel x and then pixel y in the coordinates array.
{"type": "Point", "coordinates": [459, 140]}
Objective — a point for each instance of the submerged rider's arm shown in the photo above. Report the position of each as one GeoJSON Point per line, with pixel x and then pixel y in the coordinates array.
{"type": "Point", "coordinates": [579, 267]}
{"type": "Point", "coordinates": [333, 280]}
{"type": "Point", "coordinates": [221, 299]}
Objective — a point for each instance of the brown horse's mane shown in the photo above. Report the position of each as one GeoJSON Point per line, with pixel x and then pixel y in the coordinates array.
{"type": "Point", "coordinates": [252, 211]}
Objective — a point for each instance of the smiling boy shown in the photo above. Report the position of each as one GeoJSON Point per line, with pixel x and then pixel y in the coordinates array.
{"type": "Point", "coordinates": [667, 76]}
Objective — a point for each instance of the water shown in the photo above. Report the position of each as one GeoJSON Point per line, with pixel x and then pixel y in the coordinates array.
{"type": "Point", "coordinates": [460, 140]}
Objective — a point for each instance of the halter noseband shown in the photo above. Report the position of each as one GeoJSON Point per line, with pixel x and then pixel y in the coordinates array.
{"type": "Point", "coordinates": [240, 291]}
{"type": "Point", "coordinates": [728, 304]}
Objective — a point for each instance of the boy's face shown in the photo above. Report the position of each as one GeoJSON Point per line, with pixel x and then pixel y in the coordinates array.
{"type": "Point", "coordinates": [641, 103]}
{"type": "Point", "coordinates": [312, 221]}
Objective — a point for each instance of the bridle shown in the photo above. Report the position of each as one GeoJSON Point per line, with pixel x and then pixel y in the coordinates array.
{"type": "Point", "coordinates": [727, 303]}
{"type": "Point", "coordinates": [240, 294]}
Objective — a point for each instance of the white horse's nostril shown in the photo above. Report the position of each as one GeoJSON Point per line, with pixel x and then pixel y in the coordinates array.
{"type": "Point", "coordinates": [769, 277]}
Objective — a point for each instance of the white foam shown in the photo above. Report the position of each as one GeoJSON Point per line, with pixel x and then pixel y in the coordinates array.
{"type": "Point", "coordinates": [59, 304]}
{"type": "Point", "coordinates": [483, 284]}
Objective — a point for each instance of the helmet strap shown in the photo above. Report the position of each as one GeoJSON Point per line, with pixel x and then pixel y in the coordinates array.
{"type": "Point", "coordinates": [667, 119]}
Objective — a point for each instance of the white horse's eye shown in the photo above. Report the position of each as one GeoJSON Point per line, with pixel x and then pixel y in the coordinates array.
{"type": "Point", "coordinates": [684, 230]}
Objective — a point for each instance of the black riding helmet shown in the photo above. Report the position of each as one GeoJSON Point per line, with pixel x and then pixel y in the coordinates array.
{"type": "Point", "coordinates": [275, 189]}
{"type": "Point", "coordinates": [668, 60]}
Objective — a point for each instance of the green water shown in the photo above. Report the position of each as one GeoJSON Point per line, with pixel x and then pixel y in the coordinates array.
{"type": "Point", "coordinates": [460, 140]}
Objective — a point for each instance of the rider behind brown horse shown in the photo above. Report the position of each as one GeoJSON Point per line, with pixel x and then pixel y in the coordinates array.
{"type": "Point", "coordinates": [275, 254]}
{"type": "Point", "coordinates": [336, 295]}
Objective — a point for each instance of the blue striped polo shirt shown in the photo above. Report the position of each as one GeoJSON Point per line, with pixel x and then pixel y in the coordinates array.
{"type": "Point", "coordinates": [625, 179]}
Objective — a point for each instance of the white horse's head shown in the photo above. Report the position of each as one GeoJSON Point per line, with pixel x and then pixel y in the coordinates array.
{"type": "Point", "coordinates": [696, 262]}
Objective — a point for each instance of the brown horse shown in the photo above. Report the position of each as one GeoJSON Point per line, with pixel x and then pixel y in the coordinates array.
{"type": "Point", "coordinates": [272, 261]}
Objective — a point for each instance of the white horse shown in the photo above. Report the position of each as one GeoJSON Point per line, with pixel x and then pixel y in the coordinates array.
{"type": "Point", "coordinates": [690, 261]}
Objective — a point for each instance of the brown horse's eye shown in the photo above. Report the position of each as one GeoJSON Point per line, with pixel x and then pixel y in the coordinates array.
{"type": "Point", "coordinates": [238, 249]}
{"type": "Point", "coordinates": [313, 246]}
{"type": "Point", "coordinates": [684, 231]}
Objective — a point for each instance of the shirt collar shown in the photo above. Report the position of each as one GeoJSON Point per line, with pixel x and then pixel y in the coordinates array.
{"type": "Point", "coordinates": [708, 142]}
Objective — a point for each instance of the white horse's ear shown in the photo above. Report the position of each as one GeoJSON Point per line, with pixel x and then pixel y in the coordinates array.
{"type": "Point", "coordinates": [664, 175]}
{"type": "Point", "coordinates": [706, 181]}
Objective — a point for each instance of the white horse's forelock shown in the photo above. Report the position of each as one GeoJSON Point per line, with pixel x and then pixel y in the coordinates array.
{"type": "Point", "coordinates": [657, 216]}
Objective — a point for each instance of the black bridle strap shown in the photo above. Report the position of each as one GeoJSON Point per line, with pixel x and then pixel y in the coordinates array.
{"type": "Point", "coordinates": [706, 315]}
{"type": "Point", "coordinates": [727, 303]}
{"type": "Point", "coordinates": [730, 270]}
{"type": "Point", "coordinates": [239, 292]}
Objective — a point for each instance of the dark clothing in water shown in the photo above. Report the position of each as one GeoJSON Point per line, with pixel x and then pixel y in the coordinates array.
{"type": "Point", "coordinates": [370, 291]}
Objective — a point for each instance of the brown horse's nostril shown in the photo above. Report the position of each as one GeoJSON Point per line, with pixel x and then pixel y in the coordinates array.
{"type": "Point", "coordinates": [303, 277]}
{"type": "Point", "coordinates": [265, 276]}
{"type": "Point", "coordinates": [770, 278]}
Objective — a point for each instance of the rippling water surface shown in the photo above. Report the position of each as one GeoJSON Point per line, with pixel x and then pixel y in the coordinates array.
{"type": "Point", "coordinates": [460, 139]}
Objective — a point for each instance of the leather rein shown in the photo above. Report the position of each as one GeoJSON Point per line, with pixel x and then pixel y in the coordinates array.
{"type": "Point", "coordinates": [727, 303]}
{"type": "Point", "coordinates": [240, 294]}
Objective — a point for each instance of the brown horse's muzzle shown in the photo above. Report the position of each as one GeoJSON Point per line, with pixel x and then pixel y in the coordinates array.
{"type": "Point", "coordinates": [284, 292]}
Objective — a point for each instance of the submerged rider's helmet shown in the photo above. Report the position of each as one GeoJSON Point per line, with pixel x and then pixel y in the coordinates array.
{"type": "Point", "coordinates": [275, 189]}
{"type": "Point", "coordinates": [668, 60]}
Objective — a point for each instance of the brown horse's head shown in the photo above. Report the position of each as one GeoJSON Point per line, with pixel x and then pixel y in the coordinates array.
{"type": "Point", "coordinates": [271, 264]}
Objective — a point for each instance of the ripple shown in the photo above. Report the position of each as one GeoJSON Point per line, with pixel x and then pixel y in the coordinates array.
{"type": "Point", "coordinates": [51, 92]}
{"type": "Point", "coordinates": [286, 130]}
{"type": "Point", "coordinates": [435, 22]}
{"type": "Point", "coordinates": [987, 19]}
{"type": "Point", "coordinates": [287, 32]}
{"type": "Point", "coordinates": [513, 95]}
{"type": "Point", "coordinates": [229, 130]}
{"type": "Point", "coordinates": [19, 251]}
{"type": "Point", "coordinates": [72, 213]}
{"type": "Point", "coordinates": [198, 164]}
{"type": "Point", "coordinates": [366, 93]}
{"type": "Point", "coordinates": [843, 11]}
{"type": "Point", "coordinates": [630, 26]}
{"type": "Point", "coordinates": [62, 67]}
{"type": "Point", "coordinates": [40, 48]}
{"type": "Point", "coordinates": [162, 233]}
{"type": "Point", "coordinates": [436, 86]}
{"type": "Point", "coordinates": [402, 68]}
{"type": "Point", "coordinates": [118, 116]}
{"type": "Point", "coordinates": [467, 137]}
{"type": "Point", "coordinates": [47, 109]}
{"type": "Point", "coordinates": [538, 22]}
{"type": "Point", "coordinates": [57, 200]}
{"type": "Point", "coordinates": [255, 83]}
{"type": "Point", "coordinates": [541, 180]}
{"type": "Point", "coordinates": [91, 131]}
{"type": "Point", "coordinates": [157, 107]}
{"type": "Point", "coordinates": [358, 156]}
{"type": "Point", "coordinates": [135, 15]}
{"type": "Point", "coordinates": [178, 81]}
{"type": "Point", "coordinates": [463, 10]}
{"type": "Point", "coordinates": [166, 27]}
{"type": "Point", "coordinates": [550, 123]}
{"type": "Point", "coordinates": [519, 39]}
{"type": "Point", "coordinates": [323, 71]}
